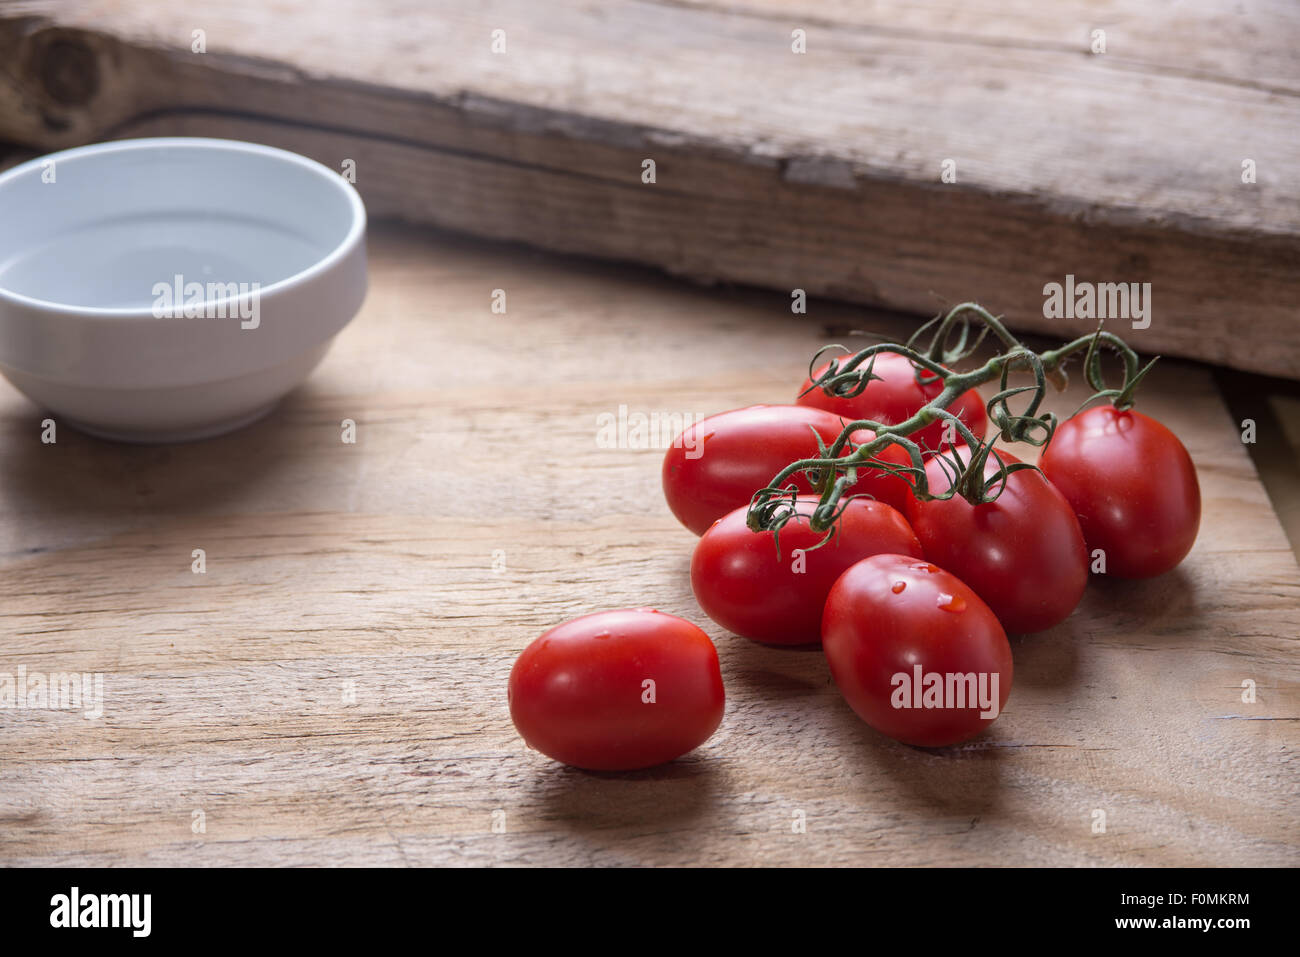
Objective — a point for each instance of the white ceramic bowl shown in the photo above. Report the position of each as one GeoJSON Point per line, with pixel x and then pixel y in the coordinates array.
{"type": "Point", "coordinates": [269, 248]}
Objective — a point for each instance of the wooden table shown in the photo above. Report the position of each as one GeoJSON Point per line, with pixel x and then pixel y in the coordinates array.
{"type": "Point", "coordinates": [475, 510]}
{"type": "Point", "coordinates": [915, 153]}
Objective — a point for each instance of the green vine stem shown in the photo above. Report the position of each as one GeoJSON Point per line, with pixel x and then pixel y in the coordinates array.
{"type": "Point", "coordinates": [938, 344]}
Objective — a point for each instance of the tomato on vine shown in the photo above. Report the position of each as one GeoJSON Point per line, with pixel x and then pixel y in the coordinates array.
{"type": "Point", "coordinates": [718, 464]}
{"type": "Point", "coordinates": [745, 585]}
{"type": "Point", "coordinates": [1132, 485]}
{"type": "Point", "coordinates": [915, 652]}
{"type": "Point", "coordinates": [1022, 551]}
{"type": "Point", "coordinates": [894, 397]}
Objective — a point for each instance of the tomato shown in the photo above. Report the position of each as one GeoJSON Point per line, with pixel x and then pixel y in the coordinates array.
{"type": "Point", "coordinates": [718, 464]}
{"type": "Point", "coordinates": [617, 690]}
{"type": "Point", "coordinates": [1132, 485]}
{"type": "Point", "coordinates": [1022, 553]}
{"type": "Point", "coordinates": [895, 397]}
{"type": "Point", "coordinates": [891, 625]}
{"type": "Point", "coordinates": [743, 585]}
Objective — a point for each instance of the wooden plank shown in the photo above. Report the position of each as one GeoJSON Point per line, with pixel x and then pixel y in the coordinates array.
{"type": "Point", "coordinates": [1272, 408]}
{"type": "Point", "coordinates": [374, 563]}
{"type": "Point", "coordinates": [817, 171]}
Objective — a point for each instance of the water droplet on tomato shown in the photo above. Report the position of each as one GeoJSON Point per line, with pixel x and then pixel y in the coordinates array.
{"type": "Point", "coordinates": [899, 586]}
{"type": "Point", "coordinates": [602, 635]}
{"type": "Point", "coordinates": [926, 567]}
{"type": "Point", "coordinates": [952, 603]}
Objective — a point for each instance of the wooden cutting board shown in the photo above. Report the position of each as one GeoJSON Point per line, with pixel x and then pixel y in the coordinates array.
{"type": "Point", "coordinates": [332, 688]}
{"type": "Point", "coordinates": [821, 170]}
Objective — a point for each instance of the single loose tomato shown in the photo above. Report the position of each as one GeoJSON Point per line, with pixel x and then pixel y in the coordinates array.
{"type": "Point", "coordinates": [895, 397]}
{"type": "Point", "coordinates": [746, 587]}
{"type": "Point", "coordinates": [915, 652]}
{"type": "Point", "coordinates": [1132, 485]}
{"type": "Point", "coordinates": [1022, 553]}
{"type": "Point", "coordinates": [718, 464]}
{"type": "Point", "coordinates": [617, 690]}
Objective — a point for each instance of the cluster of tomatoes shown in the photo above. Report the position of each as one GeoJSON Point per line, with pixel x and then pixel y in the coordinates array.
{"type": "Point", "coordinates": [911, 597]}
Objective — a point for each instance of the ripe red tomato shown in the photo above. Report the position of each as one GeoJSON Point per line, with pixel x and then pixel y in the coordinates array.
{"type": "Point", "coordinates": [718, 464]}
{"type": "Point", "coordinates": [617, 690]}
{"type": "Point", "coordinates": [1023, 553]}
{"type": "Point", "coordinates": [891, 624]}
{"type": "Point", "coordinates": [1132, 485]}
{"type": "Point", "coordinates": [895, 397]}
{"type": "Point", "coordinates": [743, 585]}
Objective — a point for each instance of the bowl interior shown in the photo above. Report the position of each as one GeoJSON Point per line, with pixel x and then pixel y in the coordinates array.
{"type": "Point", "coordinates": [104, 226]}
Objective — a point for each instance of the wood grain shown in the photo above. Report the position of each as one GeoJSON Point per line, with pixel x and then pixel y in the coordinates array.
{"type": "Point", "coordinates": [373, 563]}
{"type": "Point", "coordinates": [818, 171]}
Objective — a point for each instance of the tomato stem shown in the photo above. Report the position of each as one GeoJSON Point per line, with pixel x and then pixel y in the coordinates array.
{"type": "Point", "coordinates": [949, 342]}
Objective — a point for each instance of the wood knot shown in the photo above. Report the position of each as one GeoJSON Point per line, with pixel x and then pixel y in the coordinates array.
{"type": "Point", "coordinates": [68, 71]}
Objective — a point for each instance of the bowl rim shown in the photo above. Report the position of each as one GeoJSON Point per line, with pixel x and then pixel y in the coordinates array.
{"type": "Point", "coordinates": [355, 233]}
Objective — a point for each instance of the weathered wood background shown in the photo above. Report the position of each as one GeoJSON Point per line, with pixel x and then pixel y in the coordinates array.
{"type": "Point", "coordinates": [818, 171]}
{"type": "Point", "coordinates": [477, 509]}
